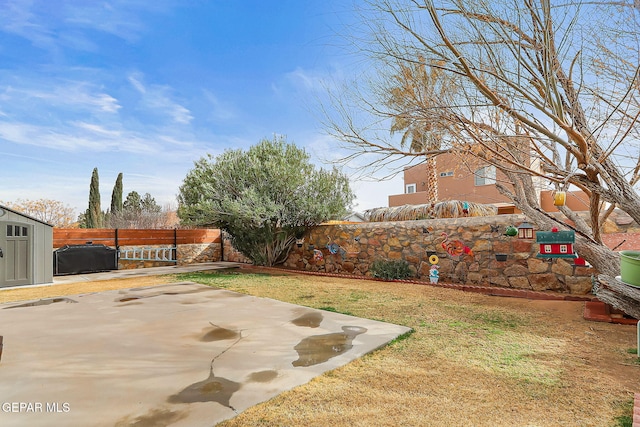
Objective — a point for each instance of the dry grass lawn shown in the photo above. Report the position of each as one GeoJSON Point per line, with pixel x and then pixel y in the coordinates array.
{"type": "Point", "coordinates": [471, 360]}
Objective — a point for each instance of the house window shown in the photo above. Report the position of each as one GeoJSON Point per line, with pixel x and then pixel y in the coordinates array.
{"type": "Point", "coordinates": [449, 173]}
{"type": "Point", "coordinates": [563, 249]}
{"type": "Point", "coordinates": [485, 175]}
{"type": "Point", "coordinates": [547, 249]}
{"type": "Point", "coordinates": [410, 188]}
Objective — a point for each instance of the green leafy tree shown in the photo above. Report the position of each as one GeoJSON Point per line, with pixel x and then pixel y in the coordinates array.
{"type": "Point", "coordinates": [265, 197]}
{"type": "Point", "coordinates": [148, 205]}
{"type": "Point", "coordinates": [132, 204]}
{"type": "Point", "coordinates": [94, 216]}
{"type": "Point", "coordinates": [131, 210]}
{"type": "Point", "coordinates": [141, 212]}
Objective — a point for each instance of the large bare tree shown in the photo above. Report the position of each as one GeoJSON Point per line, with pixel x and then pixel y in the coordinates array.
{"type": "Point", "coordinates": [53, 212]}
{"type": "Point", "coordinates": [548, 92]}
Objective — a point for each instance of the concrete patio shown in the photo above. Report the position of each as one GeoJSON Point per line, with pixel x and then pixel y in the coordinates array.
{"type": "Point", "coordinates": [177, 354]}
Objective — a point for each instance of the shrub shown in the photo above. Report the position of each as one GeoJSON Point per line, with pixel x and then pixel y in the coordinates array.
{"type": "Point", "coordinates": [390, 269]}
{"type": "Point", "coordinates": [265, 197]}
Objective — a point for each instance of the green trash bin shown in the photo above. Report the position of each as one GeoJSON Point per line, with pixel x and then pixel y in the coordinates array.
{"type": "Point", "coordinates": [630, 267]}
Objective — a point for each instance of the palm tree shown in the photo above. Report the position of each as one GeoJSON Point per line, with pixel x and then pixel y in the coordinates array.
{"type": "Point", "coordinates": [416, 94]}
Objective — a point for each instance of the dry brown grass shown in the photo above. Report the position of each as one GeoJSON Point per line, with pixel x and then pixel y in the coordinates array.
{"type": "Point", "coordinates": [472, 359]}
{"type": "Point", "coordinates": [39, 292]}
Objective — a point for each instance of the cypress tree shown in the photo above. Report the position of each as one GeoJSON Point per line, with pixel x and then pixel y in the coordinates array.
{"type": "Point", "coordinates": [94, 213]}
{"type": "Point", "coordinates": [116, 197]}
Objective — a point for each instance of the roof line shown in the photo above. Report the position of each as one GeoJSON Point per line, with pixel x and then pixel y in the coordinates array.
{"type": "Point", "coordinates": [25, 215]}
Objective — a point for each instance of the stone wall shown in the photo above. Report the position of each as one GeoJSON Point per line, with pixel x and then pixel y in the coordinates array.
{"type": "Point", "coordinates": [230, 253]}
{"type": "Point", "coordinates": [186, 254]}
{"type": "Point", "coordinates": [415, 241]}
{"type": "Point", "coordinates": [199, 252]}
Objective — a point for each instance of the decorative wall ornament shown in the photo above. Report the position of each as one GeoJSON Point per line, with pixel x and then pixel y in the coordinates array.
{"type": "Point", "coordinates": [525, 231]}
{"type": "Point", "coordinates": [501, 257]}
{"type": "Point", "coordinates": [455, 247]}
{"type": "Point", "coordinates": [556, 244]}
{"type": "Point", "coordinates": [434, 274]}
{"type": "Point", "coordinates": [351, 249]}
{"type": "Point", "coordinates": [335, 248]}
{"type": "Point", "coordinates": [559, 198]}
{"type": "Point", "coordinates": [511, 231]}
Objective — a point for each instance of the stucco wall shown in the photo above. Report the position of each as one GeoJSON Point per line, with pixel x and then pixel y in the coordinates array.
{"type": "Point", "coordinates": [413, 240]}
{"type": "Point", "coordinates": [459, 186]}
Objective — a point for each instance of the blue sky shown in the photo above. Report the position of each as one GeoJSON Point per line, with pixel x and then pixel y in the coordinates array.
{"type": "Point", "coordinates": [147, 87]}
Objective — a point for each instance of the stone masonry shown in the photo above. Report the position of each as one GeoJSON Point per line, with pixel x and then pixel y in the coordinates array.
{"type": "Point", "coordinates": [186, 254]}
{"type": "Point", "coordinates": [414, 241]}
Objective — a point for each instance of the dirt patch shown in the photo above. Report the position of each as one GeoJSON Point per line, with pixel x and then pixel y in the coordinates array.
{"type": "Point", "coordinates": [52, 291]}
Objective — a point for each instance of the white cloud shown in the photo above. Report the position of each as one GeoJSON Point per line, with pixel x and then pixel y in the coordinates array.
{"type": "Point", "coordinates": [16, 17]}
{"type": "Point", "coordinates": [79, 137]}
{"type": "Point", "coordinates": [318, 82]}
{"type": "Point", "coordinates": [76, 116]}
{"type": "Point", "coordinates": [219, 110]}
{"type": "Point", "coordinates": [301, 78]}
{"type": "Point", "coordinates": [180, 114]}
{"type": "Point", "coordinates": [75, 94]}
{"type": "Point", "coordinates": [121, 21]}
{"type": "Point", "coordinates": [94, 128]}
{"type": "Point", "coordinates": [40, 21]}
{"type": "Point", "coordinates": [307, 80]}
{"type": "Point", "coordinates": [134, 79]}
{"type": "Point", "coordinates": [157, 99]}
{"type": "Point", "coordinates": [83, 94]}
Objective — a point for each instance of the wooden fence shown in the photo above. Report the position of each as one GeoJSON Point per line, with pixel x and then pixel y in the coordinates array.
{"type": "Point", "coordinates": [133, 237]}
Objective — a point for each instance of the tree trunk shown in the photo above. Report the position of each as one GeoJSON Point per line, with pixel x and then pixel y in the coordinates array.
{"type": "Point", "coordinates": [432, 180]}
{"type": "Point", "coordinates": [619, 295]}
{"type": "Point", "coordinates": [601, 257]}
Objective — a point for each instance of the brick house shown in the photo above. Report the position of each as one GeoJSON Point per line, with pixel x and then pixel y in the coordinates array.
{"type": "Point", "coordinates": [471, 181]}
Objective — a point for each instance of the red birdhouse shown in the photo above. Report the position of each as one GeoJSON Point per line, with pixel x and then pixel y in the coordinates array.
{"type": "Point", "coordinates": [556, 244]}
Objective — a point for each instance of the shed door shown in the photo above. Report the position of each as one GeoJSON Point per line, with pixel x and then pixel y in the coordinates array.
{"type": "Point", "coordinates": [15, 263]}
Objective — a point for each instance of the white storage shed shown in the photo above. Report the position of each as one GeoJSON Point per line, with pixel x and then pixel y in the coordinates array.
{"type": "Point", "coordinates": [26, 249]}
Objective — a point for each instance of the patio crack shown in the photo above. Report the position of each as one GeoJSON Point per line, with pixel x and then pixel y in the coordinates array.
{"type": "Point", "coordinates": [213, 388]}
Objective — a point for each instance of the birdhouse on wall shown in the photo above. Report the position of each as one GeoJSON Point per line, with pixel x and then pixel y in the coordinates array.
{"type": "Point", "coordinates": [556, 244]}
{"type": "Point", "coordinates": [525, 231]}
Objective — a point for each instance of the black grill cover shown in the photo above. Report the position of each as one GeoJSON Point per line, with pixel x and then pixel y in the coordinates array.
{"type": "Point", "coordinates": [89, 258]}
